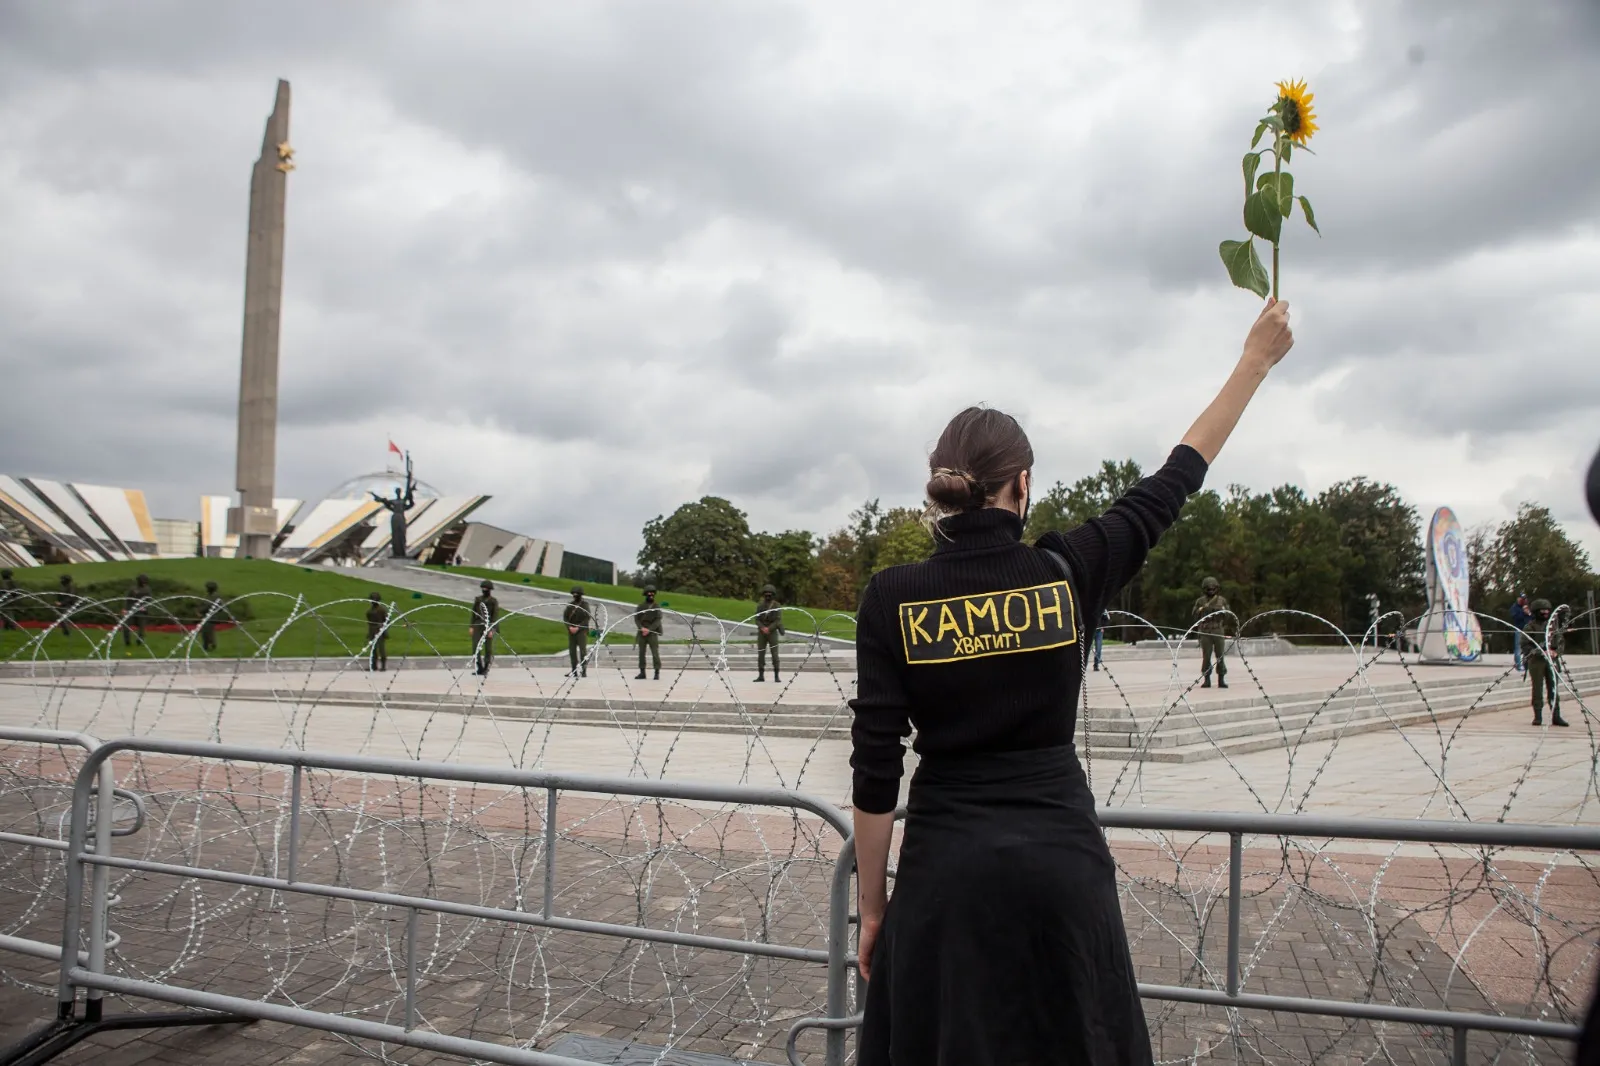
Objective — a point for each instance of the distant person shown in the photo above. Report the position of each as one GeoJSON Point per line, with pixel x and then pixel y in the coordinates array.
{"type": "Point", "coordinates": [578, 618]}
{"type": "Point", "coordinates": [378, 634]}
{"type": "Point", "coordinates": [66, 602]}
{"type": "Point", "coordinates": [8, 592]}
{"type": "Point", "coordinates": [648, 619]}
{"type": "Point", "coordinates": [1100, 636]}
{"type": "Point", "coordinates": [769, 627]}
{"type": "Point", "coordinates": [1212, 630]}
{"type": "Point", "coordinates": [138, 604]}
{"type": "Point", "coordinates": [208, 624]}
{"type": "Point", "coordinates": [1547, 641]}
{"type": "Point", "coordinates": [485, 612]}
{"type": "Point", "coordinates": [1520, 620]}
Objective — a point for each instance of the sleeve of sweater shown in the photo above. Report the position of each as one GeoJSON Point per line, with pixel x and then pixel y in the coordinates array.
{"type": "Point", "coordinates": [1107, 551]}
{"type": "Point", "coordinates": [882, 717]}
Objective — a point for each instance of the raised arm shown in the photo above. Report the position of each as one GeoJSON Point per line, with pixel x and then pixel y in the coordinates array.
{"type": "Point", "coordinates": [1269, 340]}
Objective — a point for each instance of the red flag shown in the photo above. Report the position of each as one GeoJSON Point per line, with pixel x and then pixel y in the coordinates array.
{"type": "Point", "coordinates": [394, 448]}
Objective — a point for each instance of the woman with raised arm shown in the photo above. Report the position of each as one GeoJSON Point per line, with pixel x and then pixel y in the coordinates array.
{"type": "Point", "coordinates": [1003, 943]}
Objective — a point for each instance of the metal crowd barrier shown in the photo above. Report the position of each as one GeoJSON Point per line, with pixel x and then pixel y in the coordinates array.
{"type": "Point", "coordinates": [101, 937]}
{"type": "Point", "coordinates": [1302, 826]}
{"type": "Point", "coordinates": [86, 970]}
{"type": "Point", "coordinates": [215, 1008]}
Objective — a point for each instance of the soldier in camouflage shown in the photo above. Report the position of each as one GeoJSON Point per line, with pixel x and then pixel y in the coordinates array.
{"type": "Point", "coordinates": [138, 604]}
{"type": "Point", "coordinates": [208, 623]}
{"type": "Point", "coordinates": [769, 627]}
{"type": "Point", "coordinates": [66, 603]}
{"type": "Point", "coordinates": [648, 620]}
{"type": "Point", "coordinates": [1541, 654]}
{"type": "Point", "coordinates": [1211, 631]}
{"type": "Point", "coordinates": [578, 619]}
{"type": "Point", "coordinates": [485, 611]}
{"type": "Point", "coordinates": [378, 634]}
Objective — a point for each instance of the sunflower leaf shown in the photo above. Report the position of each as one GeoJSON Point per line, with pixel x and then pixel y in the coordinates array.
{"type": "Point", "coordinates": [1311, 219]}
{"type": "Point", "coordinates": [1252, 160]}
{"type": "Point", "coordinates": [1261, 215]}
{"type": "Point", "coordinates": [1285, 146]}
{"type": "Point", "coordinates": [1273, 122]}
{"type": "Point", "coordinates": [1244, 266]}
{"type": "Point", "coordinates": [1278, 187]}
{"type": "Point", "coordinates": [1261, 127]}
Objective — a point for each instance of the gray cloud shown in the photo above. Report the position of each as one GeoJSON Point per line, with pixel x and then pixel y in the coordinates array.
{"type": "Point", "coordinates": [600, 259]}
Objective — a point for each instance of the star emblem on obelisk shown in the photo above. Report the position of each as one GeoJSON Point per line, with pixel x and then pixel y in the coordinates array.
{"type": "Point", "coordinates": [285, 157]}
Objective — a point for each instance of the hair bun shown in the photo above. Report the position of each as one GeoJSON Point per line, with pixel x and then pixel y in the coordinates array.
{"type": "Point", "coordinates": [955, 490]}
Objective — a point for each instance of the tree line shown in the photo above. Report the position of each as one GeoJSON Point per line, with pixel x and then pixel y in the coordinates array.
{"type": "Point", "coordinates": [1353, 546]}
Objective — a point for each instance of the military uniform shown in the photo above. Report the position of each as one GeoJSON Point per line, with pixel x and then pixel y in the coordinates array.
{"type": "Point", "coordinates": [578, 620]}
{"type": "Point", "coordinates": [138, 603]}
{"type": "Point", "coordinates": [648, 621]}
{"type": "Point", "coordinates": [769, 627]}
{"type": "Point", "coordinates": [208, 626]}
{"type": "Point", "coordinates": [1547, 642]}
{"type": "Point", "coordinates": [8, 592]}
{"type": "Point", "coordinates": [66, 603]}
{"type": "Point", "coordinates": [1213, 640]}
{"type": "Point", "coordinates": [485, 610]}
{"type": "Point", "coordinates": [378, 634]}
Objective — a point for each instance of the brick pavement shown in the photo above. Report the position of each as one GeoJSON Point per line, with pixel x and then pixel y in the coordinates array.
{"type": "Point", "coordinates": [1330, 924]}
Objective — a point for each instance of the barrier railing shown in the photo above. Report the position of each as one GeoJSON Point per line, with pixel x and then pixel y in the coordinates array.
{"type": "Point", "coordinates": [89, 863]}
{"type": "Point", "coordinates": [75, 974]}
{"type": "Point", "coordinates": [1299, 826]}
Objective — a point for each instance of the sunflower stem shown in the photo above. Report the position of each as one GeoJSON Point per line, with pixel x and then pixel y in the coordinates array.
{"type": "Point", "coordinates": [1277, 168]}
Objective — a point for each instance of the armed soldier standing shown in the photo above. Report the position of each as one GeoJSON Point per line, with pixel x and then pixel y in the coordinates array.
{"type": "Point", "coordinates": [66, 603]}
{"type": "Point", "coordinates": [8, 592]}
{"type": "Point", "coordinates": [1211, 631]}
{"type": "Point", "coordinates": [378, 634]}
{"type": "Point", "coordinates": [485, 610]}
{"type": "Point", "coordinates": [769, 627]}
{"type": "Point", "coordinates": [208, 624]}
{"type": "Point", "coordinates": [648, 619]}
{"type": "Point", "coordinates": [138, 604]}
{"type": "Point", "coordinates": [1541, 655]}
{"type": "Point", "coordinates": [578, 619]}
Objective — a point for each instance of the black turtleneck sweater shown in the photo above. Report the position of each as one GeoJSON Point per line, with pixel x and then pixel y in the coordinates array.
{"type": "Point", "coordinates": [978, 646]}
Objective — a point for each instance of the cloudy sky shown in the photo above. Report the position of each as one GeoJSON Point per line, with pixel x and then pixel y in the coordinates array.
{"type": "Point", "coordinates": [599, 259]}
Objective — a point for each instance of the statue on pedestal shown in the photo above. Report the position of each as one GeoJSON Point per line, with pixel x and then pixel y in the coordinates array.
{"type": "Point", "coordinates": [403, 501]}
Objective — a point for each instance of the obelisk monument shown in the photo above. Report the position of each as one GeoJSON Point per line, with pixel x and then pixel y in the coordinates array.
{"type": "Point", "coordinates": [255, 520]}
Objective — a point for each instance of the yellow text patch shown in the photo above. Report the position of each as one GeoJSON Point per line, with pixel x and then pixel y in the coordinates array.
{"type": "Point", "coordinates": [989, 623]}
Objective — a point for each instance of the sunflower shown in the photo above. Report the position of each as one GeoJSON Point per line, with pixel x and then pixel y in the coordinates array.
{"type": "Point", "coordinates": [1294, 106]}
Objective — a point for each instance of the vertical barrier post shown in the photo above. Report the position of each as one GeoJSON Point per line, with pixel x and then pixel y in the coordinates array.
{"type": "Point", "coordinates": [294, 823]}
{"type": "Point", "coordinates": [411, 968]}
{"type": "Point", "coordinates": [99, 892]}
{"type": "Point", "coordinates": [1235, 857]}
{"type": "Point", "coordinates": [77, 839]}
{"type": "Point", "coordinates": [549, 850]}
{"type": "Point", "coordinates": [1458, 1052]}
{"type": "Point", "coordinates": [839, 948]}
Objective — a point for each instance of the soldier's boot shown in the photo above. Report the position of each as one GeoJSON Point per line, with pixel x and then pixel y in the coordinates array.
{"type": "Point", "coordinates": [639, 676]}
{"type": "Point", "coordinates": [658, 674]}
{"type": "Point", "coordinates": [1222, 678]}
{"type": "Point", "coordinates": [1555, 714]}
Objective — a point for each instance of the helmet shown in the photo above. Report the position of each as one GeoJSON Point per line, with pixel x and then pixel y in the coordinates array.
{"type": "Point", "coordinates": [768, 590]}
{"type": "Point", "coordinates": [1541, 605]}
{"type": "Point", "coordinates": [649, 590]}
{"type": "Point", "coordinates": [66, 579]}
{"type": "Point", "coordinates": [1210, 584]}
{"type": "Point", "coordinates": [577, 590]}
{"type": "Point", "coordinates": [5, 573]}
{"type": "Point", "coordinates": [372, 596]}
{"type": "Point", "coordinates": [141, 580]}
{"type": "Point", "coordinates": [486, 584]}
{"type": "Point", "coordinates": [211, 586]}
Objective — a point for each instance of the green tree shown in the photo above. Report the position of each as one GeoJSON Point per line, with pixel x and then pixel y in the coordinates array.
{"type": "Point", "coordinates": [1531, 553]}
{"type": "Point", "coordinates": [1203, 542]}
{"type": "Point", "coordinates": [906, 542]}
{"type": "Point", "coordinates": [1382, 540]}
{"type": "Point", "coordinates": [789, 562]}
{"type": "Point", "coordinates": [1294, 553]}
{"type": "Point", "coordinates": [837, 587]}
{"type": "Point", "coordinates": [1062, 508]}
{"type": "Point", "coordinates": [704, 548]}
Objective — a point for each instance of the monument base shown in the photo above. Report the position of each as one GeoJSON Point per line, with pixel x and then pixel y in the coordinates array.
{"type": "Point", "coordinates": [394, 563]}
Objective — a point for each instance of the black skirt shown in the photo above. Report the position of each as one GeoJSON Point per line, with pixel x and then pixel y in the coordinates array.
{"type": "Point", "coordinates": [1003, 941]}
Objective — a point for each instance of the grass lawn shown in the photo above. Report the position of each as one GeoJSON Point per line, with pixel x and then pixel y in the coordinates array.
{"type": "Point", "coordinates": [833, 623]}
{"type": "Point", "coordinates": [328, 619]}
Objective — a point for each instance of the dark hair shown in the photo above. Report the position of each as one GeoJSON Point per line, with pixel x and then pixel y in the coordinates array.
{"type": "Point", "coordinates": [978, 454]}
